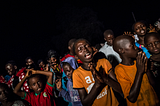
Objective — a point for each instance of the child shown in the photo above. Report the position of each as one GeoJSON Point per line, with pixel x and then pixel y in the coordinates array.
{"type": "Point", "coordinates": [71, 94]}
{"type": "Point", "coordinates": [107, 49]}
{"type": "Point", "coordinates": [30, 63]}
{"type": "Point", "coordinates": [140, 30]}
{"type": "Point", "coordinates": [134, 79]}
{"type": "Point", "coordinates": [7, 97]}
{"type": "Point", "coordinates": [42, 94]}
{"type": "Point", "coordinates": [70, 59]}
{"type": "Point", "coordinates": [152, 43]}
{"type": "Point", "coordinates": [41, 65]}
{"type": "Point", "coordinates": [13, 72]}
{"type": "Point", "coordinates": [94, 87]}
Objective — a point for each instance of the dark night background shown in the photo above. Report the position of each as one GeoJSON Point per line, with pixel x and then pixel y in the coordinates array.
{"type": "Point", "coordinates": [31, 28]}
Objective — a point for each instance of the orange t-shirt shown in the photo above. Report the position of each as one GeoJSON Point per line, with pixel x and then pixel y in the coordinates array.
{"type": "Point", "coordinates": [125, 76]}
{"type": "Point", "coordinates": [84, 79]}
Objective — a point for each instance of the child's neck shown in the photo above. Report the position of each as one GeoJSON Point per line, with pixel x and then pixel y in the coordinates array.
{"type": "Point", "coordinates": [155, 57]}
{"type": "Point", "coordinates": [127, 61]}
{"type": "Point", "coordinates": [85, 66]}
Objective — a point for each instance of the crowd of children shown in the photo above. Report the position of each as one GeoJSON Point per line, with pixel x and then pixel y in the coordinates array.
{"type": "Point", "coordinates": [122, 72]}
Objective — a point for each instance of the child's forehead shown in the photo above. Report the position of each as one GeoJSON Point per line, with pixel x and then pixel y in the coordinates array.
{"type": "Point", "coordinates": [81, 42]}
{"type": "Point", "coordinates": [139, 23]}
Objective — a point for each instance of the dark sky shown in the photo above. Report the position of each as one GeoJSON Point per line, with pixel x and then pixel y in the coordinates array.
{"type": "Point", "coordinates": [29, 28]}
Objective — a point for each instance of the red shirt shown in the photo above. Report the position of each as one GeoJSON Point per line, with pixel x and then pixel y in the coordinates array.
{"type": "Point", "coordinates": [44, 98]}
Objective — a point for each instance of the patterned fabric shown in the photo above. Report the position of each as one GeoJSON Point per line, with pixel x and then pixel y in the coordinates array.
{"type": "Point", "coordinates": [18, 103]}
{"type": "Point", "coordinates": [84, 79]}
{"type": "Point", "coordinates": [2, 80]}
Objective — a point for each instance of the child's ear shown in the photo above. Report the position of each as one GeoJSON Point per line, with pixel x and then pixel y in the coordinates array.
{"type": "Point", "coordinates": [105, 39]}
{"type": "Point", "coordinates": [15, 67]}
{"type": "Point", "coordinates": [69, 47]}
{"type": "Point", "coordinates": [121, 51]}
{"type": "Point", "coordinates": [76, 57]}
{"type": "Point", "coordinates": [26, 63]}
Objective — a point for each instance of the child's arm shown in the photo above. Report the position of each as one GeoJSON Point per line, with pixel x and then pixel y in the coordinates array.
{"type": "Point", "coordinates": [151, 78]}
{"type": "Point", "coordinates": [134, 91]}
{"type": "Point", "coordinates": [46, 73]}
{"type": "Point", "coordinates": [88, 99]}
{"type": "Point", "coordinates": [17, 89]}
{"type": "Point", "coordinates": [112, 82]}
{"type": "Point", "coordinates": [65, 94]}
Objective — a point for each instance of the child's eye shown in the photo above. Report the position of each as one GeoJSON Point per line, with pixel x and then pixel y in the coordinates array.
{"type": "Point", "coordinates": [80, 49]}
{"type": "Point", "coordinates": [149, 45]}
{"type": "Point", "coordinates": [156, 42]}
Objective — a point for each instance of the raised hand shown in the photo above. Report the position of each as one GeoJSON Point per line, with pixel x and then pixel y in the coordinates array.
{"type": "Point", "coordinates": [97, 76]}
{"type": "Point", "coordinates": [59, 84]}
{"type": "Point", "coordinates": [141, 62]}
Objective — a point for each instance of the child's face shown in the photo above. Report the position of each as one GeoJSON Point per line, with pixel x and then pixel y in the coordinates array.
{"type": "Point", "coordinates": [10, 69]}
{"type": "Point", "coordinates": [29, 62]}
{"type": "Point", "coordinates": [109, 39]}
{"type": "Point", "coordinates": [84, 51]}
{"type": "Point", "coordinates": [140, 29]}
{"type": "Point", "coordinates": [53, 60]}
{"type": "Point", "coordinates": [130, 49]}
{"type": "Point", "coordinates": [4, 94]}
{"type": "Point", "coordinates": [68, 70]}
{"type": "Point", "coordinates": [36, 84]}
{"type": "Point", "coordinates": [41, 64]}
{"type": "Point", "coordinates": [153, 45]}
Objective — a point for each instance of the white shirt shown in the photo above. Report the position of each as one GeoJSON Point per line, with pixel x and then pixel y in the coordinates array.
{"type": "Point", "coordinates": [108, 50]}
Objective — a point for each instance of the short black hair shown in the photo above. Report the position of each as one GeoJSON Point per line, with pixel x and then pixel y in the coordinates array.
{"type": "Point", "coordinates": [108, 32]}
{"type": "Point", "coordinates": [29, 57]}
{"type": "Point", "coordinates": [151, 34]}
{"type": "Point", "coordinates": [12, 62]}
{"type": "Point", "coordinates": [52, 53]}
{"type": "Point", "coordinates": [71, 41]}
{"type": "Point", "coordinates": [40, 76]}
{"type": "Point", "coordinates": [39, 61]}
{"type": "Point", "coordinates": [78, 41]}
{"type": "Point", "coordinates": [141, 21]}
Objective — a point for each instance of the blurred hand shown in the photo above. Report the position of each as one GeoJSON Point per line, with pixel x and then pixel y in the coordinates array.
{"type": "Point", "coordinates": [141, 62]}
{"type": "Point", "coordinates": [97, 76]}
{"type": "Point", "coordinates": [59, 84]}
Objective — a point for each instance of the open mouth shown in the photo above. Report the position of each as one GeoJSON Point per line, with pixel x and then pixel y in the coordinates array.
{"type": "Point", "coordinates": [88, 55]}
{"type": "Point", "coordinates": [39, 89]}
{"type": "Point", "coordinates": [142, 32]}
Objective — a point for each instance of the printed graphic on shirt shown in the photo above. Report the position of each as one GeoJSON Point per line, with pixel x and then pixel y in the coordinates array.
{"type": "Point", "coordinates": [45, 94]}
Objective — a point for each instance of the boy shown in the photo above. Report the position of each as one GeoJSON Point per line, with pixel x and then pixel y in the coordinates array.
{"type": "Point", "coordinates": [70, 59]}
{"type": "Point", "coordinates": [43, 93]}
{"type": "Point", "coordinates": [94, 90]}
{"type": "Point", "coordinates": [71, 94]}
{"type": "Point", "coordinates": [152, 43]}
{"type": "Point", "coordinates": [107, 49]}
{"type": "Point", "coordinates": [139, 29]}
{"type": "Point", "coordinates": [134, 79]}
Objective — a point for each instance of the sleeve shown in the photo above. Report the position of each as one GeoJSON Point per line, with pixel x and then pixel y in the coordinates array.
{"type": "Point", "coordinates": [49, 88]}
{"type": "Point", "coordinates": [77, 81]}
{"type": "Point", "coordinates": [27, 97]}
{"type": "Point", "coordinates": [106, 65]}
{"type": "Point", "coordinates": [123, 80]}
{"type": "Point", "coordinates": [65, 95]}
